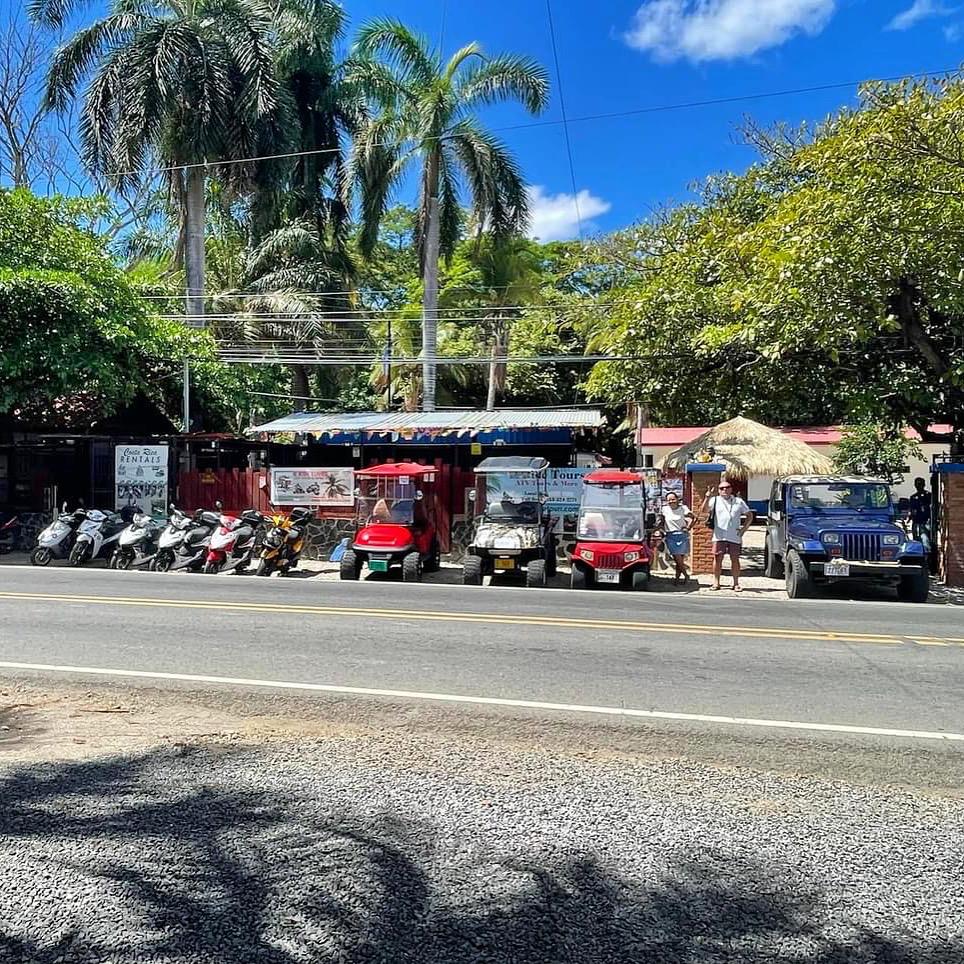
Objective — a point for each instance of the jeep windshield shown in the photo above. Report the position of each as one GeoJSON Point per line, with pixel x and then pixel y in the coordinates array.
{"type": "Point", "coordinates": [611, 513]}
{"type": "Point", "coordinates": [846, 496]}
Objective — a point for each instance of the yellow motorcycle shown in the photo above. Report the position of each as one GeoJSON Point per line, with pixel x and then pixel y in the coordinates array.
{"type": "Point", "coordinates": [283, 542]}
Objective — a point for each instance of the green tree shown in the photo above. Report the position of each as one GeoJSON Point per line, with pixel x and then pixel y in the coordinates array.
{"type": "Point", "coordinates": [181, 85]}
{"type": "Point", "coordinates": [423, 111]}
{"type": "Point", "coordinates": [879, 450]}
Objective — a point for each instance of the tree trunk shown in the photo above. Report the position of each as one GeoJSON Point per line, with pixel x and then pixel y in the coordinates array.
{"type": "Point", "coordinates": [194, 246]}
{"type": "Point", "coordinates": [496, 368]}
{"type": "Point", "coordinates": [299, 387]}
{"type": "Point", "coordinates": [430, 284]}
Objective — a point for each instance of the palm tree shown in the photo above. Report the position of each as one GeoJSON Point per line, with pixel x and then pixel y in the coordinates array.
{"type": "Point", "coordinates": [181, 84]}
{"type": "Point", "coordinates": [423, 111]}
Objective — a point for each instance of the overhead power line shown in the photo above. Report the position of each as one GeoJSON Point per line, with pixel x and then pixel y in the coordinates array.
{"type": "Point", "coordinates": [585, 118]}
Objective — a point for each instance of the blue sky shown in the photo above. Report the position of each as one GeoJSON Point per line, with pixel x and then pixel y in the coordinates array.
{"type": "Point", "coordinates": [626, 54]}
{"type": "Point", "coordinates": [623, 55]}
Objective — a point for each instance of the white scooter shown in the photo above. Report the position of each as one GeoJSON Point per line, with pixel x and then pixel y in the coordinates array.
{"type": "Point", "coordinates": [135, 545]}
{"type": "Point", "coordinates": [171, 539]}
{"type": "Point", "coordinates": [97, 536]}
{"type": "Point", "coordinates": [56, 541]}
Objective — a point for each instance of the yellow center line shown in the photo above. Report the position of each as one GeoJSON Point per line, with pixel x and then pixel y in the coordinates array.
{"type": "Point", "coordinates": [754, 632]}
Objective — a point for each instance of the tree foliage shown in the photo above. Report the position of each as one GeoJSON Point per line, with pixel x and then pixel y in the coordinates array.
{"type": "Point", "coordinates": [878, 450]}
{"type": "Point", "coordinates": [826, 281]}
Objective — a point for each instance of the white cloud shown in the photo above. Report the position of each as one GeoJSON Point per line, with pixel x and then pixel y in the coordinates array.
{"type": "Point", "coordinates": [701, 30]}
{"type": "Point", "coordinates": [917, 11]}
{"type": "Point", "coordinates": [953, 32]}
{"type": "Point", "coordinates": [554, 217]}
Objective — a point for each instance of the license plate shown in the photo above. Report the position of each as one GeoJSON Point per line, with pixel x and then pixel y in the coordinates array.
{"type": "Point", "coordinates": [608, 575]}
{"type": "Point", "coordinates": [378, 565]}
{"type": "Point", "coordinates": [835, 568]}
{"type": "Point", "coordinates": [504, 563]}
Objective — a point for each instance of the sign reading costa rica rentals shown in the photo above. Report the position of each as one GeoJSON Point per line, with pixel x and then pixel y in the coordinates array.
{"type": "Point", "coordinates": [140, 478]}
{"type": "Point", "coordinates": [312, 486]}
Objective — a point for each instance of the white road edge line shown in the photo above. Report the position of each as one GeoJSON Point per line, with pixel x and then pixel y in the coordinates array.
{"type": "Point", "coordinates": [487, 701]}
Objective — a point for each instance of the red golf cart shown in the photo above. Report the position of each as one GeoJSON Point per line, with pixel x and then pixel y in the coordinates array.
{"type": "Point", "coordinates": [395, 521]}
{"type": "Point", "coordinates": [612, 546]}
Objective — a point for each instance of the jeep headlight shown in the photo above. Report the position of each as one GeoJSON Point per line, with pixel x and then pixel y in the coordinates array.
{"type": "Point", "coordinates": [587, 554]}
{"type": "Point", "coordinates": [891, 540]}
{"type": "Point", "coordinates": [631, 556]}
{"type": "Point", "coordinates": [831, 538]}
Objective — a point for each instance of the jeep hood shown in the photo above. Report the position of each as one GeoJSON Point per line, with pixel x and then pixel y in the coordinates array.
{"type": "Point", "coordinates": [500, 535]}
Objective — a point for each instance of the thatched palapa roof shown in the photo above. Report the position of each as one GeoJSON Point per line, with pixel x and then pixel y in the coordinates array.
{"type": "Point", "coordinates": [749, 448]}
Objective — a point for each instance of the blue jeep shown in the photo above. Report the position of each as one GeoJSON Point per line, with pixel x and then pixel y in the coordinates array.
{"type": "Point", "coordinates": [823, 529]}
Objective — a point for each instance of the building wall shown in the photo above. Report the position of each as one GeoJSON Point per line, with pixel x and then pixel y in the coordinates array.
{"type": "Point", "coordinates": [759, 486]}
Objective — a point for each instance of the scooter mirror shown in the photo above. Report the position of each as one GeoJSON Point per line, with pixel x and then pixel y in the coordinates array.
{"type": "Point", "coordinates": [63, 508]}
{"type": "Point", "coordinates": [472, 495]}
{"type": "Point", "coordinates": [218, 505]}
{"type": "Point", "coordinates": [170, 507]}
{"type": "Point", "coordinates": [419, 495]}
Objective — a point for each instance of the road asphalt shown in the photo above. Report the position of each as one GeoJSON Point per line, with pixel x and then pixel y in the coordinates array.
{"type": "Point", "coordinates": [877, 665]}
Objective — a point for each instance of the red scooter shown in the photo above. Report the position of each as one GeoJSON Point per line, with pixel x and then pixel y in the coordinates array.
{"type": "Point", "coordinates": [234, 542]}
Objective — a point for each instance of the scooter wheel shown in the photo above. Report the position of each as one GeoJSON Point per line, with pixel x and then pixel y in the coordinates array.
{"type": "Point", "coordinates": [123, 560]}
{"type": "Point", "coordinates": [161, 564]}
{"type": "Point", "coordinates": [77, 556]}
{"type": "Point", "coordinates": [40, 556]}
{"type": "Point", "coordinates": [264, 567]}
{"type": "Point", "coordinates": [211, 568]}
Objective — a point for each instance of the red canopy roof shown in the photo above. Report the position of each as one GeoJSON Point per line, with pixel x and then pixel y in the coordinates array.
{"type": "Point", "coordinates": [612, 477]}
{"type": "Point", "coordinates": [395, 469]}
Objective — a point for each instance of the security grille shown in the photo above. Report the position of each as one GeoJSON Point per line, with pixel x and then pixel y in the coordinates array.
{"type": "Point", "coordinates": [861, 546]}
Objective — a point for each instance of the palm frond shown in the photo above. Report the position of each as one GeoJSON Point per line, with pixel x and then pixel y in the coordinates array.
{"type": "Point", "coordinates": [505, 78]}
{"type": "Point", "coordinates": [460, 57]}
{"type": "Point", "coordinates": [399, 47]}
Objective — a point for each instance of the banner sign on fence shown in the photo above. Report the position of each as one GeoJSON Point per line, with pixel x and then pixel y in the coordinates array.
{"type": "Point", "coordinates": [140, 478]}
{"type": "Point", "coordinates": [312, 486]}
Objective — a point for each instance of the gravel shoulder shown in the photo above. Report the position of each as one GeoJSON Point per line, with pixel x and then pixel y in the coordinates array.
{"type": "Point", "coordinates": [141, 825]}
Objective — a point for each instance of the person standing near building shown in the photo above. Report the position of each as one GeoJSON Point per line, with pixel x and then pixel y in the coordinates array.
{"type": "Point", "coordinates": [920, 514]}
{"type": "Point", "coordinates": [731, 517]}
{"type": "Point", "coordinates": [677, 522]}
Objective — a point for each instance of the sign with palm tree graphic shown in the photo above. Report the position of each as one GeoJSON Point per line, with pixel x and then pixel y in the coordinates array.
{"type": "Point", "coordinates": [312, 486]}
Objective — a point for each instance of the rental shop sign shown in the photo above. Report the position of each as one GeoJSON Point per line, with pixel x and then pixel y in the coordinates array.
{"type": "Point", "coordinates": [140, 478]}
{"type": "Point", "coordinates": [312, 486]}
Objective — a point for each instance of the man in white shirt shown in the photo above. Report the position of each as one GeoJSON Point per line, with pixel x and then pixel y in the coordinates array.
{"type": "Point", "coordinates": [731, 518]}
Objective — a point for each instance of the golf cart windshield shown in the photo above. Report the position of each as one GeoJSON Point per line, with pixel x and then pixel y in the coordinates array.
{"type": "Point", "coordinates": [512, 497]}
{"type": "Point", "coordinates": [851, 496]}
{"type": "Point", "coordinates": [611, 513]}
{"type": "Point", "coordinates": [387, 500]}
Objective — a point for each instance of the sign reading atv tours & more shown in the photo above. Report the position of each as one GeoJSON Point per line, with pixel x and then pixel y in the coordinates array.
{"type": "Point", "coordinates": [140, 478]}
{"type": "Point", "coordinates": [306, 487]}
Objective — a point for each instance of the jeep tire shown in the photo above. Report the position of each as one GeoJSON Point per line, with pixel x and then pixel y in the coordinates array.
{"type": "Point", "coordinates": [472, 571]}
{"type": "Point", "coordinates": [915, 587]}
{"type": "Point", "coordinates": [772, 563]}
{"type": "Point", "coordinates": [799, 581]}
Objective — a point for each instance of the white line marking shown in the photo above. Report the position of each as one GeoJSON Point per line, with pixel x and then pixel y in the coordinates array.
{"type": "Point", "coordinates": [487, 701]}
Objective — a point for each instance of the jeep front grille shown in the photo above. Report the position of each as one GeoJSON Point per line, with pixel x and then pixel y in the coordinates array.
{"type": "Point", "coordinates": [861, 546]}
{"type": "Point", "coordinates": [609, 560]}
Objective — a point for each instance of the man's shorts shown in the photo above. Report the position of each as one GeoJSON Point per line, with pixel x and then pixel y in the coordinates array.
{"type": "Point", "coordinates": [723, 548]}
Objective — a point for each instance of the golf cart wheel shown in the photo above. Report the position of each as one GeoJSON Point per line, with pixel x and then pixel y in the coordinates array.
{"type": "Point", "coordinates": [536, 574]}
{"type": "Point", "coordinates": [915, 587]}
{"type": "Point", "coordinates": [640, 580]}
{"type": "Point", "coordinates": [772, 564]}
{"type": "Point", "coordinates": [350, 566]}
{"type": "Point", "coordinates": [412, 567]}
{"type": "Point", "coordinates": [77, 555]}
{"type": "Point", "coordinates": [40, 556]}
{"type": "Point", "coordinates": [578, 578]}
{"type": "Point", "coordinates": [472, 571]}
{"type": "Point", "coordinates": [799, 581]}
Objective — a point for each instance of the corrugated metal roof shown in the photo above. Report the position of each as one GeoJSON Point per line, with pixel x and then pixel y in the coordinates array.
{"type": "Point", "coordinates": [444, 421]}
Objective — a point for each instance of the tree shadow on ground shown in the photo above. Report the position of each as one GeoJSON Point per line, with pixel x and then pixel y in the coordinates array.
{"type": "Point", "coordinates": [158, 858]}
